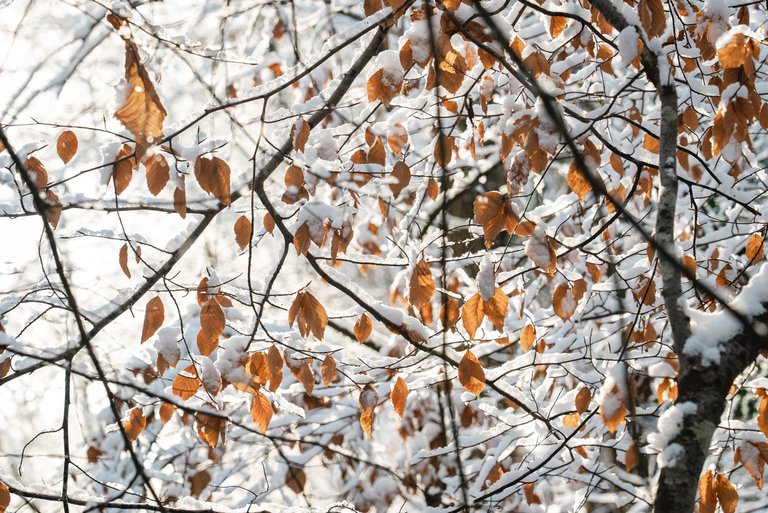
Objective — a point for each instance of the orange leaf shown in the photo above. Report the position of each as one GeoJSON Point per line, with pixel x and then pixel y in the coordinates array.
{"type": "Point", "coordinates": [38, 171]}
{"type": "Point", "coordinates": [122, 169]}
{"type": "Point", "coordinates": [632, 458]}
{"type": "Point", "coordinates": [613, 409]}
{"type": "Point", "coordinates": [583, 398]}
{"type": "Point", "coordinates": [53, 212]}
{"type": "Point", "coordinates": [363, 328]}
{"type": "Point", "coordinates": [329, 370]}
{"type": "Point", "coordinates": [496, 308]}
{"type": "Point", "coordinates": [66, 145]}
{"type": "Point", "coordinates": [306, 377]}
{"type": "Point", "coordinates": [572, 420]}
{"type": "Point", "coordinates": [301, 239]}
{"type": "Point", "coordinates": [158, 173]}
{"type": "Point", "coordinates": [180, 202]}
{"type": "Point", "coordinates": [527, 337]}
{"type": "Point", "coordinates": [737, 51]}
{"type": "Point", "coordinates": [563, 301]}
{"type": "Point", "coordinates": [557, 25]}
{"type": "Point", "coordinates": [5, 495]}
{"type": "Point", "coordinates": [122, 257]}
{"type": "Point", "coordinates": [368, 400]}
{"type": "Point", "coordinates": [443, 150]}
{"type": "Point", "coordinates": [399, 396]}
{"type": "Point", "coordinates": [275, 365]}
{"type": "Point", "coordinates": [142, 114]}
{"type": "Point", "coordinates": [397, 137]}
{"type": "Point", "coordinates": [166, 412]}
{"type": "Point", "coordinates": [433, 189]}
{"type": "Point", "coordinates": [471, 374]}
{"type": "Point", "coordinates": [530, 496]}
{"type": "Point", "coordinates": [652, 17]}
{"type": "Point", "coordinates": [212, 174]}
{"type": "Point", "coordinates": [153, 318]}
{"type": "Point", "coordinates": [309, 313]}
{"type": "Point", "coordinates": [402, 174]}
{"type": "Point", "coordinates": [300, 136]}
{"type": "Point", "coordinates": [268, 222]}
{"type": "Point", "coordinates": [186, 384]}
{"type": "Point", "coordinates": [243, 230]}
{"type": "Point", "coordinates": [261, 411]}
{"type": "Point", "coordinates": [577, 182]}
{"type": "Point", "coordinates": [212, 324]}
{"type": "Point", "coordinates": [726, 493]}
{"type": "Point", "coordinates": [755, 249]}
{"type": "Point", "coordinates": [472, 314]}
{"type": "Point", "coordinates": [422, 285]}
{"type": "Point", "coordinates": [707, 494]}
{"type": "Point", "coordinates": [135, 424]}
{"type": "Point", "coordinates": [449, 314]}
{"type": "Point", "coordinates": [209, 428]}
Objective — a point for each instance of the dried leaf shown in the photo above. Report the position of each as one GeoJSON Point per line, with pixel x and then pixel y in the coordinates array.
{"type": "Point", "coordinates": [707, 494]}
{"type": "Point", "coordinates": [300, 134]}
{"type": "Point", "coordinates": [66, 146]}
{"type": "Point", "coordinates": [166, 412]}
{"type": "Point", "coordinates": [122, 169]}
{"type": "Point", "coordinates": [583, 398]}
{"type": "Point", "coordinates": [556, 25]}
{"type": "Point", "coordinates": [613, 409]}
{"type": "Point", "coordinates": [306, 377]}
{"type": "Point", "coordinates": [261, 411]}
{"type": "Point", "coordinates": [153, 318]}
{"type": "Point", "coordinates": [577, 182]}
{"type": "Point", "coordinates": [472, 314]}
{"type": "Point", "coordinates": [422, 285]}
{"type": "Point", "coordinates": [363, 328]}
{"type": "Point", "coordinates": [122, 258]}
{"type": "Point", "coordinates": [632, 457]}
{"type": "Point", "coordinates": [368, 400]}
{"type": "Point", "coordinates": [652, 17]}
{"type": "Point", "coordinates": [5, 495]}
{"type": "Point", "coordinates": [402, 174]}
{"type": "Point", "coordinates": [135, 424]}
{"type": "Point", "coordinates": [295, 479]}
{"type": "Point", "coordinates": [209, 428]}
{"type": "Point", "coordinates": [275, 365]}
{"type": "Point", "coordinates": [399, 396]}
{"type": "Point", "coordinates": [527, 337]}
{"type": "Point", "coordinates": [449, 313]}
{"type": "Point", "coordinates": [572, 420]}
{"type": "Point", "coordinates": [212, 323]}
{"type": "Point", "coordinates": [329, 370]}
{"type": "Point", "coordinates": [301, 239]}
{"type": "Point", "coordinates": [243, 231]}
{"type": "Point", "coordinates": [186, 383]}
{"type": "Point", "coordinates": [158, 173]}
{"type": "Point", "coordinates": [471, 374]}
{"type": "Point", "coordinates": [443, 150]}
{"type": "Point", "coordinates": [397, 138]}
{"type": "Point", "coordinates": [142, 114]}
{"type": "Point", "coordinates": [563, 302]}
{"type": "Point", "coordinates": [496, 308]}
{"type": "Point", "coordinates": [180, 202]}
{"type": "Point", "coordinates": [309, 314]}
{"type": "Point", "coordinates": [726, 493]}
{"type": "Point", "coordinates": [755, 248]}
{"type": "Point", "coordinates": [212, 174]}
{"type": "Point", "coordinates": [268, 222]}
{"type": "Point", "coordinates": [530, 496]}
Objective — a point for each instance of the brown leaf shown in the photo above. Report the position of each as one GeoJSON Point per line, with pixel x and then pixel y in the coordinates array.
{"type": "Point", "coordinates": [496, 308]}
{"type": "Point", "coordinates": [329, 370]}
{"type": "Point", "coordinates": [471, 374]}
{"type": "Point", "coordinates": [166, 412]}
{"type": "Point", "coordinates": [212, 323]}
{"type": "Point", "coordinates": [563, 302]}
{"type": "Point", "coordinates": [402, 173]}
{"type": "Point", "coordinates": [528, 337]}
{"type": "Point", "coordinates": [186, 383]}
{"type": "Point", "coordinates": [583, 398]}
{"type": "Point", "coordinates": [652, 17]}
{"type": "Point", "coordinates": [449, 314]}
{"type": "Point", "coordinates": [399, 396]}
{"type": "Point", "coordinates": [300, 134]}
{"type": "Point", "coordinates": [443, 150]}
{"type": "Point", "coordinates": [135, 424]}
{"type": "Point", "coordinates": [209, 428]}
{"type": "Point", "coordinates": [243, 230]}
{"type": "Point", "coordinates": [707, 493]}
{"type": "Point", "coordinates": [397, 137]}
{"type": "Point", "coordinates": [556, 25]}
{"type": "Point", "coordinates": [66, 146]}
{"type": "Point", "coordinates": [306, 377]}
{"type": "Point", "coordinates": [122, 169]}
{"type": "Point", "coordinates": [122, 258]}
{"type": "Point", "coordinates": [383, 86]}
{"type": "Point", "coordinates": [301, 239]}
{"type": "Point", "coordinates": [212, 174]}
{"type": "Point", "coordinates": [363, 328]}
{"type": "Point", "coordinates": [472, 314]}
{"type": "Point", "coordinates": [268, 222]}
{"type": "Point", "coordinates": [180, 202]}
{"type": "Point", "coordinates": [726, 493]}
{"type": "Point", "coordinates": [261, 411]}
{"type": "Point", "coordinates": [422, 285]}
{"type": "Point", "coordinates": [275, 365]}
{"type": "Point", "coordinates": [368, 400]}
{"type": "Point", "coordinates": [572, 420]}
{"type": "Point", "coordinates": [632, 458]}
{"type": "Point", "coordinates": [142, 114]}
{"type": "Point", "coordinates": [158, 173]}
{"type": "Point", "coordinates": [5, 495]}
{"type": "Point", "coordinates": [295, 479]}
{"type": "Point", "coordinates": [309, 314]}
{"type": "Point", "coordinates": [153, 318]}
{"type": "Point", "coordinates": [613, 409]}
{"type": "Point", "coordinates": [737, 51]}
{"type": "Point", "coordinates": [577, 182]}
{"type": "Point", "coordinates": [53, 212]}
{"type": "Point", "coordinates": [755, 248]}
{"type": "Point", "coordinates": [530, 496]}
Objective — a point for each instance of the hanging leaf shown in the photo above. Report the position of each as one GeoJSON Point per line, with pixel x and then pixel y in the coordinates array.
{"type": "Point", "coordinates": [300, 134]}
{"type": "Point", "coordinates": [472, 314]}
{"type": "Point", "coordinates": [363, 328]}
{"type": "Point", "coordinates": [122, 258]}
{"type": "Point", "coordinates": [209, 428]}
{"type": "Point", "coordinates": [212, 174]}
{"type": "Point", "coordinates": [180, 202]}
{"type": "Point", "coordinates": [301, 239]}
{"type": "Point", "coordinates": [142, 114]}
{"type": "Point", "coordinates": [443, 150]}
{"type": "Point", "coordinates": [652, 17]}
{"type": "Point", "coordinates": [153, 318]}
{"type": "Point", "coordinates": [755, 248]}
{"type": "Point", "coordinates": [563, 301]}
{"type": "Point", "coordinates": [212, 323]}
{"type": "Point", "coordinates": [496, 308]}
{"type": "Point", "coordinates": [5, 495]}
{"type": "Point", "coordinates": [166, 412]}
{"type": "Point", "coordinates": [572, 420]}
{"type": "Point", "coordinates": [632, 457]}
{"type": "Point", "coordinates": [261, 411]}
{"type": "Point", "coordinates": [707, 493]}
{"type": "Point", "coordinates": [243, 230]}
{"type": "Point", "coordinates": [471, 374]}
{"type": "Point", "coordinates": [613, 408]}
{"type": "Point", "coordinates": [329, 370]}
{"type": "Point", "coordinates": [402, 174]}
{"type": "Point", "coordinates": [135, 424]}
{"type": "Point", "coordinates": [38, 172]}
{"type": "Point", "coordinates": [122, 169]}
{"type": "Point", "coordinates": [422, 285]}
{"type": "Point", "coordinates": [368, 400]}
{"type": "Point", "coordinates": [295, 479]}
{"type": "Point", "coordinates": [583, 398]}
{"type": "Point", "coordinates": [307, 378]}
{"type": "Point", "coordinates": [186, 383]}
{"type": "Point", "coordinates": [310, 315]}
{"type": "Point", "coordinates": [66, 146]}
{"type": "Point", "coordinates": [158, 173]}
{"type": "Point", "coordinates": [726, 493]}
{"type": "Point", "coordinates": [397, 138]}
{"type": "Point", "coordinates": [527, 337]}
{"type": "Point", "coordinates": [399, 396]}
{"type": "Point", "coordinates": [449, 314]}
{"type": "Point", "coordinates": [268, 222]}
{"type": "Point", "coordinates": [275, 365]}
